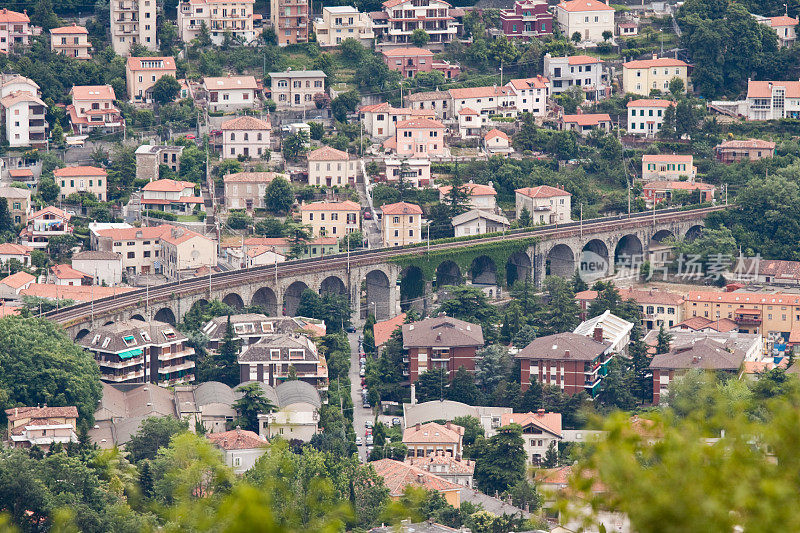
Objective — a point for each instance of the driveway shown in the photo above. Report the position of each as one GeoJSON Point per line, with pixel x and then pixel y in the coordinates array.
{"type": "Point", "coordinates": [360, 415]}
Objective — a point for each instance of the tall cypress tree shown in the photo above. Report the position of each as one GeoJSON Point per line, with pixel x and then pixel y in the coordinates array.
{"type": "Point", "coordinates": [640, 366]}
{"type": "Point", "coordinates": [226, 360]}
{"type": "Point", "coordinates": [663, 340]}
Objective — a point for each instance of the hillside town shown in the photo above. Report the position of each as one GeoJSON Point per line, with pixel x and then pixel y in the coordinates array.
{"type": "Point", "coordinates": [403, 265]}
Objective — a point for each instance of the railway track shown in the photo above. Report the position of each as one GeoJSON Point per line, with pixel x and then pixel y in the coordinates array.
{"type": "Point", "coordinates": [80, 312]}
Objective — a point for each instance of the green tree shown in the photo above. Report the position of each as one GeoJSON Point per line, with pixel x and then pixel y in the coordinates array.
{"type": "Point", "coordinates": [154, 433]}
{"type": "Point", "coordinates": [640, 366]}
{"type": "Point", "coordinates": [551, 456]}
{"type": "Point", "coordinates": [607, 35]}
{"type": "Point", "coordinates": [500, 460]}
{"type": "Point", "coordinates": [663, 340]}
{"type": "Point", "coordinates": [463, 388]}
{"type": "Point", "coordinates": [561, 312]}
{"type": "Point", "coordinates": [279, 196]}
{"type": "Point", "coordinates": [317, 130]}
{"type": "Point", "coordinates": [493, 365]}
{"type": "Point", "coordinates": [239, 219]}
{"type": "Point", "coordinates": [420, 37]}
{"type": "Point", "coordinates": [571, 99]}
{"type": "Point", "coordinates": [525, 220]}
{"type": "Point", "coordinates": [166, 89]}
{"type": "Point", "coordinates": [345, 103]}
{"type": "Point", "coordinates": [577, 37]}
{"type": "Point", "coordinates": [616, 388]}
{"type": "Point", "coordinates": [295, 145]}
{"type": "Point", "coordinates": [251, 403]}
{"type": "Point", "coordinates": [48, 190]}
{"type": "Point", "coordinates": [298, 235]}
{"type": "Point", "coordinates": [223, 365]}
{"type": "Point", "coordinates": [432, 385]}
{"type": "Point", "coordinates": [44, 16]}
{"type": "Point", "coordinates": [676, 86]}
{"type": "Point", "coordinates": [473, 430]}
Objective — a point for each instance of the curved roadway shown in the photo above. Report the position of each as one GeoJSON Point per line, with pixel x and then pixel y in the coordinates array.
{"type": "Point", "coordinates": [109, 305]}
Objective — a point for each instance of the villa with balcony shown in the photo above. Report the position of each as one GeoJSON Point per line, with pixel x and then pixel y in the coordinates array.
{"type": "Point", "coordinates": [43, 225]}
{"type": "Point", "coordinates": [402, 17]}
{"type": "Point", "coordinates": [274, 359]}
{"type": "Point", "coordinates": [93, 108]}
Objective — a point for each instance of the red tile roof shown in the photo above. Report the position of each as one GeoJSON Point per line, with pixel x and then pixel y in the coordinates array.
{"type": "Point", "coordinates": [542, 191]}
{"type": "Point", "coordinates": [454, 466]}
{"type": "Point", "coordinates": [7, 16]}
{"type": "Point", "coordinates": [237, 439]}
{"type": "Point", "coordinates": [397, 476]}
{"type": "Point", "coordinates": [401, 208]}
{"type": "Point", "coordinates": [20, 172]}
{"type": "Point", "coordinates": [584, 5]}
{"type": "Point", "coordinates": [331, 206]}
{"type": "Point", "coordinates": [252, 177]}
{"type": "Point", "coordinates": [78, 293]}
{"type": "Point", "coordinates": [749, 143]}
{"type": "Point", "coordinates": [410, 51]}
{"type": "Point", "coordinates": [383, 330]}
{"type": "Point", "coordinates": [69, 30]}
{"type": "Point", "coordinates": [467, 111]}
{"type": "Point", "coordinates": [135, 63]}
{"type": "Point", "coordinates": [93, 92]}
{"type": "Point", "coordinates": [670, 158]}
{"type": "Point", "coordinates": [538, 82]}
{"type": "Point", "coordinates": [650, 102]}
{"type": "Point", "coordinates": [419, 123]}
{"type": "Point", "coordinates": [246, 123]}
{"type": "Point", "coordinates": [480, 92]}
{"type": "Point", "coordinates": [230, 82]}
{"type": "Point", "coordinates": [70, 172]}
{"type": "Point", "coordinates": [327, 153]}
{"type": "Point", "coordinates": [10, 248]}
{"type": "Point", "coordinates": [473, 189]}
{"type": "Point", "coordinates": [433, 432]}
{"type": "Point", "coordinates": [495, 133]}
{"type": "Point", "coordinates": [743, 297]}
{"type": "Point", "coordinates": [583, 60]}
{"type": "Point", "coordinates": [763, 89]}
{"type": "Point", "coordinates": [587, 119]}
{"type": "Point", "coordinates": [550, 422]}
{"type": "Point", "coordinates": [783, 20]}
{"type": "Point", "coordinates": [678, 185]}
{"type": "Point", "coordinates": [21, 413]}
{"type": "Point", "coordinates": [177, 235]}
{"type": "Point", "coordinates": [66, 272]}
{"type": "Point", "coordinates": [51, 210]}
{"type": "Point", "coordinates": [17, 280]}
{"type": "Point", "coordinates": [167, 185]}
{"type": "Point", "coordinates": [658, 62]}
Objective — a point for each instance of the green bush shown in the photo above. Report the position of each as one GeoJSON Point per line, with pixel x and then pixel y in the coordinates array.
{"type": "Point", "coordinates": [163, 215]}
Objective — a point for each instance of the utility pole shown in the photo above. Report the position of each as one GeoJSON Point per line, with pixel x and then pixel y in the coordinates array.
{"type": "Point", "coordinates": [581, 224]}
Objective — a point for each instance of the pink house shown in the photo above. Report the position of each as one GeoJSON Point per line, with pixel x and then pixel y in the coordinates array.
{"type": "Point", "coordinates": [528, 18]}
{"type": "Point", "coordinates": [409, 61]}
{"type": "Point", "coordinates": [419, 137]}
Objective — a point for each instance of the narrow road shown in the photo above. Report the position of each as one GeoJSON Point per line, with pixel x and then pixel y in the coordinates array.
{"type": "Point", "coordinates": [360, 415]}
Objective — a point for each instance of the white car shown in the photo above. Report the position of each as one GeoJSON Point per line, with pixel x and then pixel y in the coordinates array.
{"type": "Point", "coordinates": [369, 440]}
{"type": "Point", "coordinates": [359, 441]}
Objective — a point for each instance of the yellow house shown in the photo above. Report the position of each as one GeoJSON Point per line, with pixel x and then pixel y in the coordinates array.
{"type": "Point", "coordinates": [641, 77]}
{"type": "Point", "coordinates": [331, 219]}
{"type": "Point", "coordinates": [402, 224]}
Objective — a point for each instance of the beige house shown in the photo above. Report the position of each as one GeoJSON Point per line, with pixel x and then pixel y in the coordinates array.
{"type": "Point", "coordinates": [643, 76]}
{"type": "Point", "coordinates": [240, 447]}
{"type": "Point", "coordinates": [332, 219]}
{"type": "Point", "coordinates": [71, 41]}
{"type": "Point", "coordinates": [23, 112]}
{"type": "Point", "coordinates": [424, 440]}
{"type": "Point", "coordinates": [401, 224]}
{"type": "Point", "coordinates": [245, 137]}
{"type": "Point", "coordinates": [143, 72]}
{"type": "Point", "coordinates": [295, 89]}
{"type": "Point", "coordinates": [230, 93]}
{"type": "Point", "coordinates": [546, 204]}
{"type": "Point", "coordinates": [15, 30]}
{"type": "Point", "coordinates": [785, 27]}
{"type": "Point", "coordinates": [93, 108]}
{"type": "Point", "coordinates": [245, 190]}
{"type": "Point", "coordinates": [589, 18]}
{"type": "Point", "coordinates": [417, 172]}
{"type": "Point", "coordinates": [668, 167]}
{"type": "Point", "coordinates": [184, 250]}
{"type": "Point", "coordinates": [480, 196]}
{"type": "Point", "coordinates": [105, 268]}
{"type": "Point", "coordinates": [133, 22]}
{"type": "Point", "coordinates": [329, 166]}
{"type": "Point", "coordinates": [540, 430]}
{"type": "Point", "coordinates": [10, 250]}
{"type": "Point", "coordinates": [139, 248]}
{"type": "Point", "coordinates": [343, 22]}
{"type": "Point", "coordinates": [219, 16]}
{"type": "Point", "coordinates": [19, 203]}
{"type": "Point", "coordinates": [73, 180]}
{"type": "Point", "coordinates": [41, 426]}
{"type": "Point", "coordinates": [477, 222]}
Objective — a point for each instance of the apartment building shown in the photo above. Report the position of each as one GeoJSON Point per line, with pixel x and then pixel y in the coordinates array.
{"type": "Point", "coordinates": [328, 166]}
{"type": "Point", "coordinates": [295, 89]}
{"type": "Point", "coordinates": [408, 61]}
{"type": "Point", "coordinates": [246, 137]}
{"type": "Point", "coordinates": [220, 17]}
{"type": "Point", "coordinates": [42, 427]}
{"type": "Point", "coordinates": [15, 30]}
{"type": "Point", "coordinates": [659, 308]}
{"type": "Point", "coordinates": [642, 76]}
{"type": "Point", "coordinates": [71, 41]}
{"type": "Point", "coordinates": [439, 102]}
{"type": "Point", "coordinates": [739, 150]}
{"type": "Point", "coordinates": [143, 72]}
{"type": "Point", "coordinates": [331, 219]}
{"type": "Point", "coordinates": [93, 108]}
{"type": "Point", "coordinates": [380, 120]}
{"type": "Point", "coordinates": [527, 19]}
{"type": "Point", "coordinates": [582, 71]}
{"type": "Point", "coordinates": [584, 123]}
{"type": "Point", "coordinates": [82, 179]}
{"type": "Point", "coordinates": [230, 93]}
{"type": "Point", "coordinates": [532, 94]}
{"type": "Point", "coordinates": [184, 251]}
{"type": "Point", "coordinates": [401, 224]}
{"type": "Point", "coordinates": [171, 195]}
{"type": "Point", "coordinates": [44, 224]}
{"type": "Point", "coordinates": [150, 157]}
{"type": "Point", "coordinates": [19, 203]}
{"type": "Point", "coordinates": [272, 359]}
{"type": "Point", "coordinates": [402, 17]}
{"type": "Point", "coordinates": [419, 137]}
{"type": "Point", "coordinates": [668, 167]}
{"type": "Point", "coordinates": [546, 204]}
{"type": "Point", "coordinates": [480, 196]}
{"type": "Point", "coordinates": [134, 351]}
{"type": "Point", "coordinates": [540, 430]}
{"type": "Point", "coordinates": [441, 342]}
{"type": "Point", "coordinates": [246, 190]}
{"type": "Point", "coordinates": [646, 116]}
{"type": "Point", "coordinates": [587, 18]}
{"type": "Point", "coordinates": [663, 191]}
{"type": "Point", "coordinates": [570, 361]}
{"type": "Point", "coordinates": [772, 100]}
{"type": "Point", "coordinates": [24, 119]}
{"type": "Point", "coordinates": [139, 248]}
{"type": "Point", "coordinates": [487, 101]}
{"type": "Point", "coordinates": [290, 19]}
{"type": "Point", "coordinates": [770, 314]}
{"type": "Point", "coordinates": [343, 22]}
{"type": "Point", "coordinates": [133, 22]}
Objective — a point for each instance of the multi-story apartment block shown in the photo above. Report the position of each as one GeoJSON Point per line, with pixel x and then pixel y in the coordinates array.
{"type": "Point", "coordinates": [401, 224]}
{"type": "Point", "coordinates": [588, 18]}
{"type": "Point", "coordinates": [417, 172]}
{"type": "Point", "coordinates": [427, 440]}
{"type": "Point", "coordinates": [441, 342]}
{"type": "Point", "coordinates": [15, 30]}
{"type": "Point", "coordinates": [329, 166]}
{"type": "Point", "coordinates": [586, 72]}
{"type": "Point", "coordinates": [143, 72]}
{"type": "Point", "coordinates": [133, 351]}
{"type": "Point", "coordinates": [409, 61]}
{"type": "Point", "coordinates": [230, 93]}
{"type": "Point", "coordinates": [738, 150]}
{"type": "Point", "coordinates": [769, 314]}
{"type": "Point", "coordinates": [643, 76]}
{"type": "Point", "coordinates": [72, 180]}
{"type": "Point", "coordinates": [139, 248]}
{"type": "Point", "coordinates": [246, 137]}
{"type": "Point", "coordinates": [584, 123]}
{"type": "Point", "coordinates": [331, 219]}
{"type": "Point", "coordinates": [379, 120]}
{"type": "Point", "coordinates": [171, 195]}
{"type": "Point", "coordinates": [249, 328]}
{"type": "Point", "coordinates": [290, 19]}
{"type": "Point", "coordinates": [23, 113]}
{"type": "Point", "coordinates": [532, 94]}
{"type": "Point", "coordinates": [527, 19]}
{"type": "Point", "coordinates": [19, 203]}
{"type": "Point", "coordinates": [150, 157]}
{"type": "Point", "coordinates": [44, 224]}
{"type": "Point", "coordinates": [133, 22]}
{"type": "Point", "coordinates": [93, 108]}
{"type": "Point", "coordinates": [659, 308]}
{"type": "Point", "coordinates": [71, 41]}
{"type": "Point", "coordinates": [295, 89]}
{"type": "Point", "coordinates": [546, 204]}
{"type": "Point", "coordinates": [246, 190]}
{"type": "Point", "coordinates": [668, 167]}
{"type": "Point", "coordinates": [220, 17]}
{"type": "Point", "coordinates": [272, 359]}
{"type": "Point", "coordinates": [646, 116]}
{"type": "Point", "coordinates": [419, 137]}
{"type": "Point", "coordinates": [771, 100]}
{"type": "Point", "coordinates": [343, 22]}
{"type": "Point", "coordinates": [405, 16]}
{"type": "Point", "coordinates": [486, 101]}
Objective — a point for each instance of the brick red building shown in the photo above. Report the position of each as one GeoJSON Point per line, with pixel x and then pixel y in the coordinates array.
{"type": "Point", "coordinates": [441, 342]}
{"type": "Point", "coordinates": [409, 61]}
{"type": "Point", "coordinates": [527, 19]}
{"type": "Point", "coordinates": [570, 361]}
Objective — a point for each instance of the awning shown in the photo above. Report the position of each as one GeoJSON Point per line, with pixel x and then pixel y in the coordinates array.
{"type": "Point", "coordinates": [130, 353]}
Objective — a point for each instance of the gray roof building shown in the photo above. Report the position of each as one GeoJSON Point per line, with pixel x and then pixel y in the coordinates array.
{"type": "Point", "coordinates": [564, 346]}
{"type": "Point", "coordinates": [442, 331]}
{"type": "Point", "coordinates": [705, 354]}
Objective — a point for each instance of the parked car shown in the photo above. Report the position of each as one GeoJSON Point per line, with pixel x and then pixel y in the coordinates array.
{"type": "Point", "coordinates": [361, 372]}
{"type": "Point", "coordinates": [368, 424]}
{"type": "Point", "coordinates": [359, 442]}
{"type": "Point", "coordinates": [369, 440]}
{"type": "Point", "coordinates": [368, 432]}
{"type": "Point", "coordinates": [360, 340]}
{"type": "Point", "coordinates": [351, 329]}
{"type": "Point", "coordinates": [367, 214]}
{"type": "Point", "coordinates": [367, 405]}
{"type": "Point", "coordinates": [363, 360]}
{"type": "Point", "coordinates": [396, 421]}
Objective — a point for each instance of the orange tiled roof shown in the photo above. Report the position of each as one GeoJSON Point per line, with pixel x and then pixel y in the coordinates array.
{"type": "Point", "coordinates": [331, 206]}
{"type": "Point", "coordinates": [480, 92]}
{"type": "Point", "coordinates": [66, 272]}
{"type": "Point", "coordinates": [251, 177]}
{"type": "Point", "coordinates": [539, 82]}
{"type": "Point", "coordinates": [542, 191]}
{"type": "Point", "coordinates": [583, 60]}
{"type": "Point", "coordinates": [383, 330]}
{"type": "Point", "coordinates": [410, 51]}
{"type": "Point", "coordinates": [93, 92]}
{"type": "Point", "coordinates": [679, 185]}
{"type": "Point", "coordinates": [783, 20]}
{"type": "Point", "coordinates": [135, 63]}
{"type": "Point", "coordinates": [575, 6]}
{"type": "Point", "coordinates": [246, 123]}
{"type": "Point", "coordinates": [327, 153]}
{"type": "Point", "coordinates": [658, 62]}
{"type": "Point", "coordinates": [167, 185]}
{"type": "Point", "coordinates": [467, 111]}
{"type": "Point", "coordinates": [495, 133]}
{"type": "Point", "coordinates": [650, 102]}
{"type": "Point", "coordinates": [763, 89]}
{"type": "Point", "coordinates": [397, 476]}
{"type": "Point", "coordinates": [237, 439]}
{"type": "Point", "coordinates": [587, 119]}
{"type": "Point", "coordinates": [473, 189]}
{"type": "Point", "coordinates": [21, 413]}
{"type": "Point", "coordinates": [454, 466]}
{"type": "Point", "coordinates": [417, 123]}
{"type": "Point", "coordinates": [433, 432]}
{"type": "Point", "coordinates": [550, 422]}
{"type": "Point", "coordinates": [69, 172]}
{"type": "Point", "coordinates": [10, 248]}
{"type": "Point", "coordinates": [671, 158]}
{"type": "Point", "coordinates": [69, 30]}
{"type": "Point", "coordinates": [51, 210]}
{"type": "Point", "coordinates": [401, 208]}
{"type": "Point", "coordinates": [743, 297]}
{"type": "Point", "coordinates": [78, 293]}
{"type": "Point", "coordinates": [230, 82]}
{"type": "Point", "coordinates": [10, 17]}
{"type": "Point", "coordinates": [17, 280]}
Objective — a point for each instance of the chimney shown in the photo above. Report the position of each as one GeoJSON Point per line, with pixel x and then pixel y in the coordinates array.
{"type": "Point", "coordinates": [540, 411]}
{"type": "Point", "coordinates": [566, 354]}
{"type": "Point", "coordinates": [598, 334]}
{"type": "Point", "coordinates": [655, 55]}
{"type": "Point", "coordinates": [417, 427]}
{"type": "Point", "coordinates": [695, 359]}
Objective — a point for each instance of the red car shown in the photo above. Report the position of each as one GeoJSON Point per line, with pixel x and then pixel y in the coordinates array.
{"type": "Point", "coordinates": [367, 215]}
